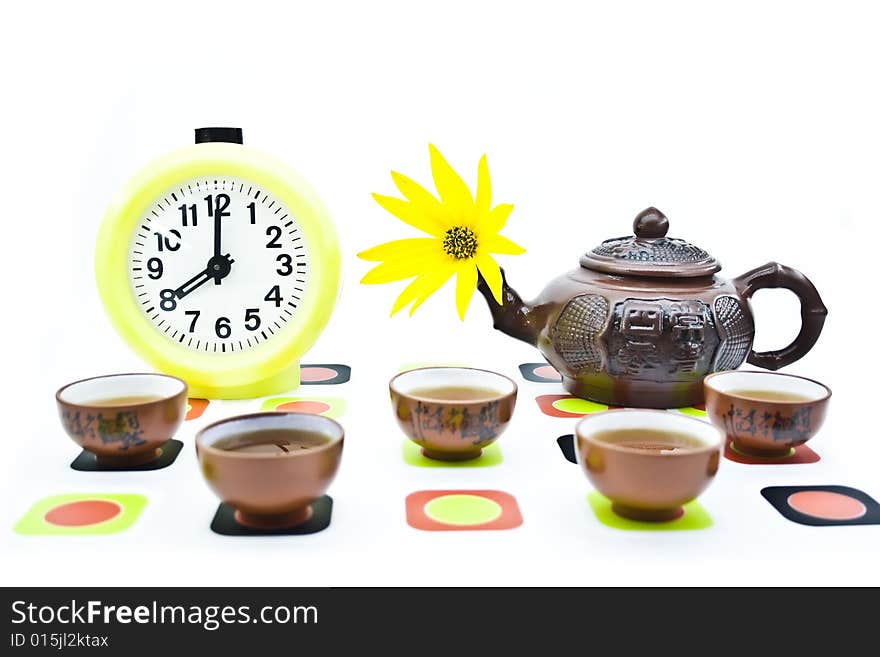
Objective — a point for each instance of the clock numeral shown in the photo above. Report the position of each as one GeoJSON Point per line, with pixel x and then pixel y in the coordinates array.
{"type": "Point", "coordinates": [275, 233]}
{"type": "Point", "coordinates": [189, 210]}
{"type": "Point", "coordinates": [274, 295]}
{"type": "Point", "coordinates": [286, 268]}
{"type": "Point", "coordinates": [195, 317]}
{"type": "Point", "coordinates": [164, 242]}
{"type": "Point", "coordinates": [252, 319]}
{"type": "Point", "coordinates": [168, 300]}
{"type": "Point", "coordinates": [217, 204]}
{"type": "Point", "coordinates": [252, 206]}
{"type": "Point", "coordinates": [222, 328]}
{"type": "Point", "coordinates": [155, 268]}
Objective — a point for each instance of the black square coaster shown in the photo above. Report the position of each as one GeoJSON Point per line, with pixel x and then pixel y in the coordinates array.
{"type": "Point", "coordinates": [539, 373]}
{"type": "Point", "coordinates": [823, 506]}
{"type": "Point", "coordinates": [566, 444]}
{"type": "Point", "coordinates": [324, 374]}
{"type": "Point", "coordinates": [86, 461]}
{"type": "Point", "coordinates": [322, 509]}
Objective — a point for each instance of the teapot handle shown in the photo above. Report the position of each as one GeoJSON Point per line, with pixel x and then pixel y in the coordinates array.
{"type": "Point", "coordinates": [813, 311]}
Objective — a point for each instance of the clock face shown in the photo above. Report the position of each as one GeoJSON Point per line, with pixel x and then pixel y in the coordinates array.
{"type": "Point", "coordinates": [218, 264]}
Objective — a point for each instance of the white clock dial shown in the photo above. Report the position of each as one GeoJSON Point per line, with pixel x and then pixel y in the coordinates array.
{"type": "Point", "coordinates": [218, 264]}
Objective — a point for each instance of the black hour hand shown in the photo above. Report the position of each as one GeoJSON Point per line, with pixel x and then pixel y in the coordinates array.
{"type": "Point", "coordinates": [218, 268]}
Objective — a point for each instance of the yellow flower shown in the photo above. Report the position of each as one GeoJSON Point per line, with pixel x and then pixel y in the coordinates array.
{"type": "Point", "coordinates": [464, 231]}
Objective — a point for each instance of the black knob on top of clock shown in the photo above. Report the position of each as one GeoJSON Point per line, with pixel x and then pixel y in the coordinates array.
{"type": "Point", "coordinates": [230, 135]}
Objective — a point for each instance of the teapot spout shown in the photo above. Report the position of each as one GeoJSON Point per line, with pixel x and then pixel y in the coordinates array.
{"type": "Point", "coordinates": [512, 316]}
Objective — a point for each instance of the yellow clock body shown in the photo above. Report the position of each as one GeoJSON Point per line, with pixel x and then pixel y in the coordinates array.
{"type": "Point", "coordinates": [219, 265]}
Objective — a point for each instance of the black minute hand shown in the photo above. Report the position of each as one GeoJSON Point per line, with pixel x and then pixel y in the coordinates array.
{"type": "Point", "coordinates": [218, 224]}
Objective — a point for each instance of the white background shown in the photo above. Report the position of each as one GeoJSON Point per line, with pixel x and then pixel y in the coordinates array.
{"type": "Point", "coordinates": [754, 127]}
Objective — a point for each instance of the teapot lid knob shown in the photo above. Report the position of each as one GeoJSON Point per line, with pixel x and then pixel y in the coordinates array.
{"type": "Point", "coordinates": [650, 224]}
{"type": "Point", "coordinates": [650, 253]}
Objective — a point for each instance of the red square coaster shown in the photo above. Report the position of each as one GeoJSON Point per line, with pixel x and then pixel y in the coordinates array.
{"type": "Point", "coordinates": [798, 456]}
{"type": "Point", "coordinates": [462, 510]}
{"type": "Point", "coordinates": [195, 408]}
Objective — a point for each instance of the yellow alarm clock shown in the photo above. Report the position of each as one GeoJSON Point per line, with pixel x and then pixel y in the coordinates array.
{"type": "Point", "coordinates": [219, 265]}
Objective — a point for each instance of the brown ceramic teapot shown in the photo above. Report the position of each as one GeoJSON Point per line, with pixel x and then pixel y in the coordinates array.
{"type": "Point", "coordinates": [645, 318]}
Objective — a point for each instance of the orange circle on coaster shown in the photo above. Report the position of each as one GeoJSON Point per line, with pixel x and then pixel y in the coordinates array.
{"type": "Point", "coordinates": [314, 407]}
{"type": "Point", "coordinates": [826, 505]}
{"type": "Point", "coordinates": [312, 373]}
{"type": "Point", "coordinates": [82, 513]}
{"type": "Point", "coordinates": [546, 371]}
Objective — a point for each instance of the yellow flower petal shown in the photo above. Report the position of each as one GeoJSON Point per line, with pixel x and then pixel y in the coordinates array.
{"type": "Point", "coordinates": [433, 282]}
{"type": "Point", "coordinates": [413, 191]}
{"type": "Point", "coordinates": [409, 293]}
{"type": "Point", "coordinates": [451, 188]}
{"type": "Point", "coordinates": [423, 282]}
{"type": "Point", "coordinates": [408, 214]}
{"type": "Point", "coordinates": [491, 272]}
{"type": "Point", "coordinates": [401, 249]}
{"type": "Point", "coordinates": [497, 217]}
{"type": "Point", "coordinates": [416, 262]}
{"type": "Point", "coordinates": [500, 244]}
{"type": "Point", "coordinates": [423, 201]}
{"type": "Point", "coordinates": [484, 189]}
{"type": "Point", "coordinates": [465, 284]}
{"type": "Point", "coordinates": [393, 270]}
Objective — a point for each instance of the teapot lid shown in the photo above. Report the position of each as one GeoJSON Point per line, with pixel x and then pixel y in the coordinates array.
{"type": "Point", "coordinates": [650, 252]}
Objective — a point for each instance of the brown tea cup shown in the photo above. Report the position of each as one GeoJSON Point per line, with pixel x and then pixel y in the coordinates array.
{"type": "Point", "coordinates": [449, 428]}
{"type": "Point", "coordinates": [123, 419]}
{"type": "Point", "coordinates": [269, 489]}
{"type": "Point", "coordinates": [648, 478]}
{"type": "Point", "coordinates": [742, 405]}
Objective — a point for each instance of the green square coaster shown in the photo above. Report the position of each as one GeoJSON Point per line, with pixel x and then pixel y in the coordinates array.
{"type": "Point", "coordinates": [694, 412]}
{"type": "Point", "coordinates": [695, 517]}
{"type": "Point", "coordinates": [81, 514]}
{"type": "Point", "coordinates": [332, 407]}
{"type": "Point", "coordinates": [412, 455]}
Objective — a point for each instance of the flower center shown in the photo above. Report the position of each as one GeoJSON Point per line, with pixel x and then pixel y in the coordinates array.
{"type": "Point", "coordinates": [460, 242]}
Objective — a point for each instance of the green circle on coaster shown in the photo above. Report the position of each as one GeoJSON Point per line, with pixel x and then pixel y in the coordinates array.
{"type": "Point", "coordinates": [462, 509]}
{"type": "Point", "coordinates": [579, 406]}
